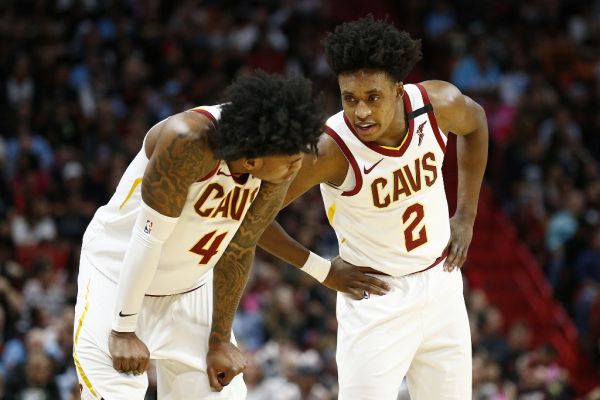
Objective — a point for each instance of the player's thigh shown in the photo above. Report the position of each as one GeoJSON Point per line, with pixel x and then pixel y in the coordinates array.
{"type": "Point", "coordinates": [377, 338]}
{"type": "Point", "coordinates": [369, 392]}
{"type": "Point", "coordinates": [176, 329]}
{"type": "Point", "coordinates": [452, 376]}
{"type": "Point", "coordinates": [444, 357]}
{"type": "Point", "coordinates": [93, 315]}
{"type": "Point", "coordinates": [99, 380]}
{"type": "Point", "coordinates": [177, 381]}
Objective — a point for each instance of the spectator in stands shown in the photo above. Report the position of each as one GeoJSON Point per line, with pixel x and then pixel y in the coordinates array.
{"type": "Point", "coordinates": [519, 343]}
{"type": "Point", "coordinates": [540, 375]}
{"type": "Point", "coordinates": [36, 381]}
{"type": "Point", "coordinates": [477, 73]}
{"type": "Point", "coordinates": [35, 225]}
{"type": "Point", "coordinates": [43, 294]}
{"type": "Point", "coordinates": [562, 226]}
{"type": "Point", "coordinates": [588, 274]}
{"type": "Point", "coordinates": [492, 339]}
{"type": "Point", "coordinates": [488, 382]}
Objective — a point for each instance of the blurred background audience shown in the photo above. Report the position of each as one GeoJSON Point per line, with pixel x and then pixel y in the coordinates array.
{"type": "Point", "coordinates": [82, 82]}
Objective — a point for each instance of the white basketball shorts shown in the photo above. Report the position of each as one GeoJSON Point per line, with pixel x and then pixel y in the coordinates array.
{"type": "Point", "coordinates": [175, 329]}
{"type": "Point", "coordinates": [419, 330]}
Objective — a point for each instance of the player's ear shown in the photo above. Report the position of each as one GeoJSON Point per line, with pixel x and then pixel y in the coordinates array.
{"type": "Point", "coordinates": [399, 89]}
{"type": "Point", "coordinates": [252, 164]}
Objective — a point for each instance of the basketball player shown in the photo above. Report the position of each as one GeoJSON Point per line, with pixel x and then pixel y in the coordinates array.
{"type": "Point", "coordinates": [181, 229]}
{"type": "Point", "coordinates": [379, 166]}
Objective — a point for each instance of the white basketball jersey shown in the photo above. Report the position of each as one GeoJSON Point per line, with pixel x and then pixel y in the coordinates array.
{"type": "Point", "coordinates": [391, 212]}
{"type": "Point", "coordinates": [214, 208]}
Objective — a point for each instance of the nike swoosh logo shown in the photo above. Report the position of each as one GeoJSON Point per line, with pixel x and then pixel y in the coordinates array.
{"type": "Point", "coordinates": [125, 315]}
{"type": "Point", "coordinates": [368, 170]}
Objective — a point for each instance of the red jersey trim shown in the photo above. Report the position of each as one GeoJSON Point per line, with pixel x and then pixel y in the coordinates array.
{"type": "Point", "coordinates": [436, 130]}
{"type": "Point", "coordinates": [436, 262]}
{"type": "Point", "coordinates": [348, 154]}
{"type": "Point", "coordinates": [239, 179]}
{"type": "Point", "coordinates": [211, 173]}
{"type": "Point", "coordinates": [385, 151]}
{"type": "Point", "coordinates": [207, 114]}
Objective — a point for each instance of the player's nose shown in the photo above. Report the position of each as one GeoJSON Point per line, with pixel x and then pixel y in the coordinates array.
{"type": "Point", "coordinates": [362, 111]}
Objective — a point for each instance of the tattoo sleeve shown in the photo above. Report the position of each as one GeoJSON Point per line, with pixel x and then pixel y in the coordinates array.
{"type": "Point", "coordinates": [233, 268]}
{"type": "Point", "coordinates": [179, 162]}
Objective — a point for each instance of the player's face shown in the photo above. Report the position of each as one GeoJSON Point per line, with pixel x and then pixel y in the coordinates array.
{"type": "Point", "coordinates": [279, 168]}
{"type": "Point", "coordinates": [370, 99]}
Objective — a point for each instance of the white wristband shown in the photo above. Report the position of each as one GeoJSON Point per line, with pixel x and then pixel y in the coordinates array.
{"type": "Point", "coordinates": [317, 267]}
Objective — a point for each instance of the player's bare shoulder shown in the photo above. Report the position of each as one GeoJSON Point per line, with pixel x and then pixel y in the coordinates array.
{"type": "Point", "coordinates": [448, 103]}
{"type": "Point", "coordinates": [330, 161]}
{"type": "Point", "coordinates": [328, 165]}
{"type": "Point", "coordinates": [453, 110]}
{"type": "Point", "coordinates": [192, 126]}
{"type": "Point", "coordinates": [180, 154]}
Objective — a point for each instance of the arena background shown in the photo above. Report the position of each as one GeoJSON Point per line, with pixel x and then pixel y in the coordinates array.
{"type": "Point", "coordinates": [82, 81]}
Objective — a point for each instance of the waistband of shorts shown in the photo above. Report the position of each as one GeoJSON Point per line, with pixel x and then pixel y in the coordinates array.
{"type": "Point", "coordinates": [146, 295]}
{"type": "Point", "coordinates": [369, 270]}
{"type": "Point", "coordinates": [175, 294]}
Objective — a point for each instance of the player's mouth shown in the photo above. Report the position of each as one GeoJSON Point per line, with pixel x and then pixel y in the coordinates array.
{"type": "Point", "coordinates": [365, 128]}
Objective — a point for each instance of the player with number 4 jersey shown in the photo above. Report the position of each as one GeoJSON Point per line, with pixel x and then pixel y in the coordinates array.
{"type": "Point", "coordinates": [164, 263]}
{"type": "Point", "coordinates": [214, 208]}
{"type": "Point", "coordinates": [379, 166]}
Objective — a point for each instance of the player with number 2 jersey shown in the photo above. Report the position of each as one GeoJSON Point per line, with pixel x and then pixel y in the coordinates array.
{"type": "Point", "coordinates": [379, 166]}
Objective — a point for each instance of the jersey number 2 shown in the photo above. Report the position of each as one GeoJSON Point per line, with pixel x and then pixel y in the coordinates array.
{"type": "Point", "coordinates": [411, 241]}
{"type": "Point", "coordinates": [208, 246]}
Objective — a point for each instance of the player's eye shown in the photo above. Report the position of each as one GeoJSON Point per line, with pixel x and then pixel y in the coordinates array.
{"type": "Point", "coordinates": [373, 98]}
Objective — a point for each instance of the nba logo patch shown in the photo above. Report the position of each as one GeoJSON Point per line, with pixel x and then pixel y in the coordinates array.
{"type": "Point", "coordinates": [148, 227]}
{"type": "Point", "coordinates": [366, 295]}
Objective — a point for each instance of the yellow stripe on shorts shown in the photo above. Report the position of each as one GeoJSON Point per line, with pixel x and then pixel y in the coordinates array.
{"type": "Point", "coordinates": [86, 380]}
{"type": "Point", "coordinates": [135, 184]}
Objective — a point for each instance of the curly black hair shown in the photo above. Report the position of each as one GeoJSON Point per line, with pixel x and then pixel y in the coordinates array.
{"type": "Point", "coordinates": [267, 114]}
{"type": "Point", "coordinates": [371, 44]}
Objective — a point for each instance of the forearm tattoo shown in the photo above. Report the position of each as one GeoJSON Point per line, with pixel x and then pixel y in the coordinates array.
{"type": "Point", "coordinates": [233, 268]}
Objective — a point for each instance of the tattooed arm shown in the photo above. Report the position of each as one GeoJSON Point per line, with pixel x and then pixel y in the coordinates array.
{"type": "Point", "coordinates": [178, 156]}
{"type": "Point", "coordinates": [224, 360]}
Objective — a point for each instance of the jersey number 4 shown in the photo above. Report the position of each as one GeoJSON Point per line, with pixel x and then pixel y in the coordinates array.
{"type": "Point", "coordinates": [208, 246]}
{"type": "Point", "coordinates": [410, 240]}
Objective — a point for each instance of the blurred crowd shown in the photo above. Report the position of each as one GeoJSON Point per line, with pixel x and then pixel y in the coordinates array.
{"type": "Point", "coordinates": [81, 81]}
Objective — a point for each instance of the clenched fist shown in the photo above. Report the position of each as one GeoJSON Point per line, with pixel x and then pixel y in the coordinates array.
{"type": "Point", "coordinates": [223, 361]}
{"type": "Point", "coordinates": [128, 352]}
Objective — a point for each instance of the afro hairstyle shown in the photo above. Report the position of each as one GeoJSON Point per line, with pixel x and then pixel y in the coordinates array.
{"type": "Point", "coordinates": [371, 44]}
{"type": "Point", "coordinates": [267, 114]}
